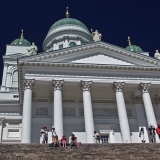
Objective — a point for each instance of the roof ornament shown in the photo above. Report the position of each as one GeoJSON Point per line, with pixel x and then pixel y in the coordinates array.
{"type": "Point", "coordinates": [129, 43]}
{"type": "Point", "coordinates": [22, 34]}
{"type": "Point", "coordinates": [67, 13]}
{"type": "Point", "coordinates": [96, 35]}
{"type": "Point", "coordinates": [157, 55]}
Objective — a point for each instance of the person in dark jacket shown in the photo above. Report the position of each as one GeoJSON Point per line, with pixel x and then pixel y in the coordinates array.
{"type": "Point", "coordinates": [158, 130]}
{"type": "Point", "coordinates": [152, 133]}
{"type": "Point", "coordinates": [46, 129]}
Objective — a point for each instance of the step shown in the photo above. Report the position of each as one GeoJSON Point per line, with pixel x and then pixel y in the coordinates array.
{"type": "Point", "coordinates": [86, 151]}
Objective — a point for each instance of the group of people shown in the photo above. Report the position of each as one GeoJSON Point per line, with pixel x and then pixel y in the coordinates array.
{"type": "Point", "coordinates": [55, 141]}
{"type": "Point", "coordinates": [152, 133]}
{"type": "Point", "coordinates": [73, 140]}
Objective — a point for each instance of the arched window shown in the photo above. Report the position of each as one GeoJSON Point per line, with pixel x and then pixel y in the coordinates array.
{"type": "Point", "coordinates": [15, 79]}
{"type": "Point", "coordinates": [72, 44]}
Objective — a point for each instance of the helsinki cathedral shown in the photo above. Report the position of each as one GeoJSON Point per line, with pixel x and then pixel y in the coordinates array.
{"type": "Point", "coordinates": [78, 84]}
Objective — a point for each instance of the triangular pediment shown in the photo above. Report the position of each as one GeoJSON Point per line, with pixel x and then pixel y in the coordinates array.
{"type": "Point", "coordinates": [94, 53]}
{"type": "Point", "coordinates": [101, 59]}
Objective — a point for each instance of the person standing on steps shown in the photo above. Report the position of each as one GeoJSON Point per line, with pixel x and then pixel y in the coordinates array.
{"type": "Point", "coordinates": [152, 133]}
{"type": "Point", "coordinates": [42, 135]}
{"type": "Point", "coordinates": [54, 133]}
{"type": "Point", "coordinates": [46, 129]}
{"type": "Point", "coordinates": [141, 135]}
{"type": "Point", "coordinates": [96, 137]}
{"type": "Point", "coordinates": [158, 130]}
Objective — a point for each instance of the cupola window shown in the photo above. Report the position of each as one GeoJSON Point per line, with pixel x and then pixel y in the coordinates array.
{"type": "Point", "coordinates": [61, 46]}
{"type": "Point", "coordinates": [72, 44]}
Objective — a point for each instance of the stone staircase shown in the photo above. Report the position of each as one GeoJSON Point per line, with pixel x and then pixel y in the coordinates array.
{"type": "Point", "coordinates": [85, 152]}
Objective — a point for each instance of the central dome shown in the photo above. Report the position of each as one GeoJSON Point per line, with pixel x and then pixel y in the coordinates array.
{"type": "Point", "coordinates": [70, 21]}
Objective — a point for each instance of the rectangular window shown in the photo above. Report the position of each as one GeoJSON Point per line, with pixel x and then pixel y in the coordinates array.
{"type": "Point", "coordinates": [15, 96]}
{"type": "Point", "coordinates": [61, 46]}
{"type": "Point", "coordinates": [13, 133]}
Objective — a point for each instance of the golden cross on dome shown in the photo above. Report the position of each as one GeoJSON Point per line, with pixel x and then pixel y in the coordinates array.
{"type": "Point", "coordinates": [67, 13]}
{"type": "Point", "coordinates": [129, 41]}
{"type": "Point", "coordinates": [22, 34]}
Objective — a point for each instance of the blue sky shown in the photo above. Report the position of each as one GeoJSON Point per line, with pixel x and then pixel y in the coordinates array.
{"type": "Point", "coordinates": [115, 19]}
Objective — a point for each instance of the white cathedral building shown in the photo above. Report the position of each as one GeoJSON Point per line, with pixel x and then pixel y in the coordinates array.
{"type": "Point", "coordinates": [78, 84]}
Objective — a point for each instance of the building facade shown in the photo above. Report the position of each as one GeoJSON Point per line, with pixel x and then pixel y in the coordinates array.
{"type": "Point", "coordinates": [78, 84]}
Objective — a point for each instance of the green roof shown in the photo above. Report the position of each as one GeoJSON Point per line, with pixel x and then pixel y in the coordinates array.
{"type": "Point", "coordinates": [66, 21]}
{"type": "Point", "coordinates": [134, 48]}
{"type": "Point", "coordinates": [21, 42]}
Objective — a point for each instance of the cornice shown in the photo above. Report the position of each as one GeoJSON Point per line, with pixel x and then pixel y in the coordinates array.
{"type": "Point", "coordinates": [14, 56]}
{"type": "Point", "coordinates": [68, 29]}
{"type": "Point", "coordinates": [87, 65]}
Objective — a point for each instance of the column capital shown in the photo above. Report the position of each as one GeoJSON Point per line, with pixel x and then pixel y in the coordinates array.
{"type": "Point", "coordinates": [86, 85]}
{"type": "Point", "coordinates": [137, 99]}
{"type": "Point", "coordinates": [57, 84]}
{"type": "Point", "coordinates": [118, 86]}
{"type": "Point", "coordinates": [28, 83]}
{"type": "Point", "coordinates": [144, 87]}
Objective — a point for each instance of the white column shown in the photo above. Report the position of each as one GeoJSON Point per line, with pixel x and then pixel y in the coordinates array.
{"type": "Point", "coordinates": [58, 109]}
{"type": "Point", "coordinates": [4, 76]}
{"type": "Point", "coordinates": [151, 119]}
{"type": "Point", "coordinates": [141, 120]}
{"type": "Point", "coordinates": [66, 42]}
{"type": "Point", "coordinates": [78, 41]}
{"type": "Point", "coordinates": [88, 113]}
{"type": "Point", "coordinates": [27, 111]}
{"type": "Point", "coordinates": [123, 119]}
{"type": "Point", "coordinates": [55, 46]}
{"type": "Point", "coordinates": [1, 128]}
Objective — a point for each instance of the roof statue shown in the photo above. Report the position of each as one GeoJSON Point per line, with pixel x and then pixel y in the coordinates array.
{"type": "Point", "coordinates": [33, 49]}
{"type": "Point", "coordinates": [157, 55]}
{"type": "Point", "coordinates": [67, 13]}
{"type": "Point", "coordinates": [96, 35]}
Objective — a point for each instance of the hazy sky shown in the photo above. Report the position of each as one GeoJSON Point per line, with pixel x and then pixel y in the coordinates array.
{"type": "Point", "coordinates": [114, 19]}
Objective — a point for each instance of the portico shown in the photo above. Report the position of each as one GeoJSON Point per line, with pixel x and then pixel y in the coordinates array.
{"type": "Point", "coordinates": [85, 104]}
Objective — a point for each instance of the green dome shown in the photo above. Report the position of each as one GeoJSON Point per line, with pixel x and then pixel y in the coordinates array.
{"type": "Point", "coordinates": [21, 42]}
{"type": "Point", "coordinates": [134, 48]}
{"type": "Point", "coordinates": [65, 21]}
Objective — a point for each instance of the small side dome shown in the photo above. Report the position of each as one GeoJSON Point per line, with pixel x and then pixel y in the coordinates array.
{"type": "Point", "coordinates": [21, 41]}
{"type": "Point", "coordinates": [134, 48]}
